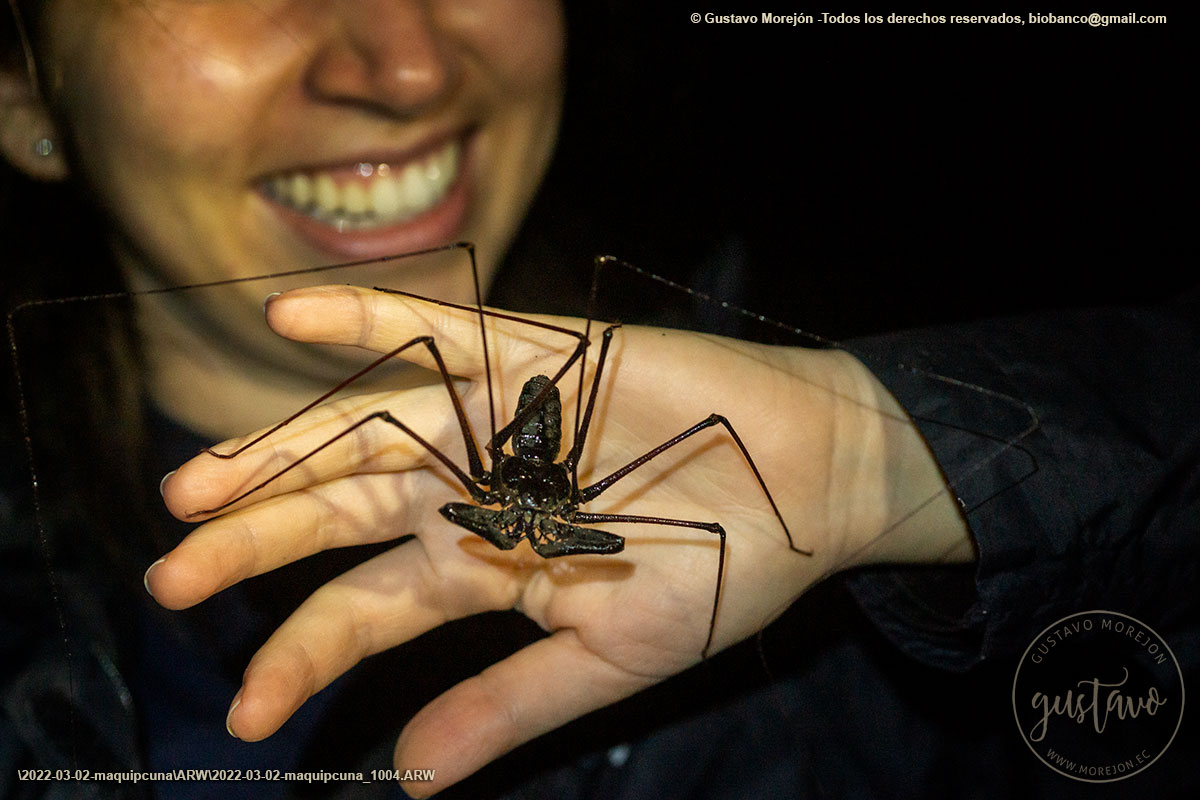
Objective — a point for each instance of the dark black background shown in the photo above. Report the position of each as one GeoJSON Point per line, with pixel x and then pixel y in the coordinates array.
{"type": "Point", "coordinates": [871, 176]}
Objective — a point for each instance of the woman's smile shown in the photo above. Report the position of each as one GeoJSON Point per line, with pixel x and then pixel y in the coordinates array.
{"type": "Point", "coordinates": [235, 139]}
{"type": "Point", "coordinates": [370, 194]}
{"type": "Point", "coordinates": [228, 140]}
{"type": "Point", "coordinates": [376, 205]}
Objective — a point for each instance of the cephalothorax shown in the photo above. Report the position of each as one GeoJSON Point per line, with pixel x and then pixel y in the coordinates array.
{"type": "Point", "coordinates": [535, 494]}
{"type": "Point", "coordinates": [538, 498]}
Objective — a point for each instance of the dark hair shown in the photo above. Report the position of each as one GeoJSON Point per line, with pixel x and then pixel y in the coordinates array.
{"type": "Point", "coordinates": [80, 350]}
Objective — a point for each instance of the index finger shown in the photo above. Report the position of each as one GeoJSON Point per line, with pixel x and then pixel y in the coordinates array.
{"type": "Point", "coordinates": [381, 320]}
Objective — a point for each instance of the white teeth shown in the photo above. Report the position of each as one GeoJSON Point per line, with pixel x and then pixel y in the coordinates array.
{"type": "Point", "coordinates": [414, 186]}
{"type": "Point", "coordinates": [326, 195]}
{"type": "Point", "coordinates": [385, 198]}
{"type": "Point", "coordinates": [354, 197]}
{"type": "Point", "coordinates": [384, 195]}
{"type": "Point", "coordinates": [302, 189]}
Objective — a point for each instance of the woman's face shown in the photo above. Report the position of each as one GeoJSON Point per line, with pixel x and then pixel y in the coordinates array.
{"type": "Point", "coordinates": [229, 137]}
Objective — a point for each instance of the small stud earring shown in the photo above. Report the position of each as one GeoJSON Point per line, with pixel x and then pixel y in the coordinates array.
{"type": "Point", "coordinates": [44, 146]}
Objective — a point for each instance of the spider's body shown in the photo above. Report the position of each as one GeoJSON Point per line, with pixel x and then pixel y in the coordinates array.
{"type": "Point", "coordinates": [535, 495]}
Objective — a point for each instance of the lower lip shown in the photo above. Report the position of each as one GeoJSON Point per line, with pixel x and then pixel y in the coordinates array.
{"type": "Point", "coordinates": [439, 225]}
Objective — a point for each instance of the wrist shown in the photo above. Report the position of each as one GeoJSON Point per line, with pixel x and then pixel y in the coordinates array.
{"type": "Point", "coordinates": [900, 508]}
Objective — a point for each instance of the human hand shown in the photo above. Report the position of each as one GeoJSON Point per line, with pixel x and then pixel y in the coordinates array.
{"type": "Point", "coordinates": [814, 422]}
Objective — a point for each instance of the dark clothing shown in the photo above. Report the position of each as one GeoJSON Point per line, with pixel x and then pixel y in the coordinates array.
{"type": "Point", "coordinates": [1098, 506]}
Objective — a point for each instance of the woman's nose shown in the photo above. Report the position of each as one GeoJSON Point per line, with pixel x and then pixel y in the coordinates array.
{"type": "Point", "coordinates": [386, 55]}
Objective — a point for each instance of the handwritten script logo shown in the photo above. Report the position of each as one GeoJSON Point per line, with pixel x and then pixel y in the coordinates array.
{"type": "Point", "coordinates": [1085, 706]}
{"type": "Point", "coordinates": [1098, 696]}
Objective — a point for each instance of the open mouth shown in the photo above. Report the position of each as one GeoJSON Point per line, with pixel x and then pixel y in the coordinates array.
{"type": "Point", "coordinates": [370, 195]}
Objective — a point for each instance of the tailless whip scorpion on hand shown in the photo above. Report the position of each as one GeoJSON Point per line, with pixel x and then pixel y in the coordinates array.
{"type": "Point", "coordinates": [525, 492]}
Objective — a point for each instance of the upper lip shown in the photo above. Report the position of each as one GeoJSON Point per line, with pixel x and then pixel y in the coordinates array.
{"type": "Point", "coordinates": [393, 157]}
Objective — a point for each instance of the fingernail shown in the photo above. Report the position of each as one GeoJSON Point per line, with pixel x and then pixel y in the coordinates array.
{"type": "Point", "coordinates": [162, 484]}
{"type": "Point", "coordinates": [237, 700]}
{"type": "Point", "coordinates": [268, 300]}
{"type": "Point", "coordinates": [146, 577]}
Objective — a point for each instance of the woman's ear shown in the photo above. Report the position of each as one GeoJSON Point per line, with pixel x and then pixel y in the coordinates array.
{"type": "Point", "coordinates": [29, 139]}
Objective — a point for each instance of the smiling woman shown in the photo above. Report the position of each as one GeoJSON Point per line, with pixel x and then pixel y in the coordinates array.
{"type": "Point", "coordinates": [233, 139]}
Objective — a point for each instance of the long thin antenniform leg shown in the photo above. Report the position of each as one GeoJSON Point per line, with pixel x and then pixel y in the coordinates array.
{"type": "Point", "coordinates": [474, 463]}
{"type": "Point", "coordinates": [582, 425]}
{"type": "Point", "coordinates": [505, 433]}
{"type": "Point", "coordinates": [593, 491]}
{"type": "Point", "coordinates": [711, 527]}
{"type": "Point", "coordinates": [487, 362]}
{"type": "Point", "coordinates": [385, 416]}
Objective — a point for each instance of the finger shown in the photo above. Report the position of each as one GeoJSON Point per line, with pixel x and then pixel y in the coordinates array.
{"type": "Point", "coordinates": [268, 535]}
{"type": "Point", "coordinates": [384, 602]}
{"type": "Point", "coordinates": [381, 322]}
{"type": "Point", "coordinates": [537, 689]}
{"type": "Point", "coordinates": [326, 443]}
